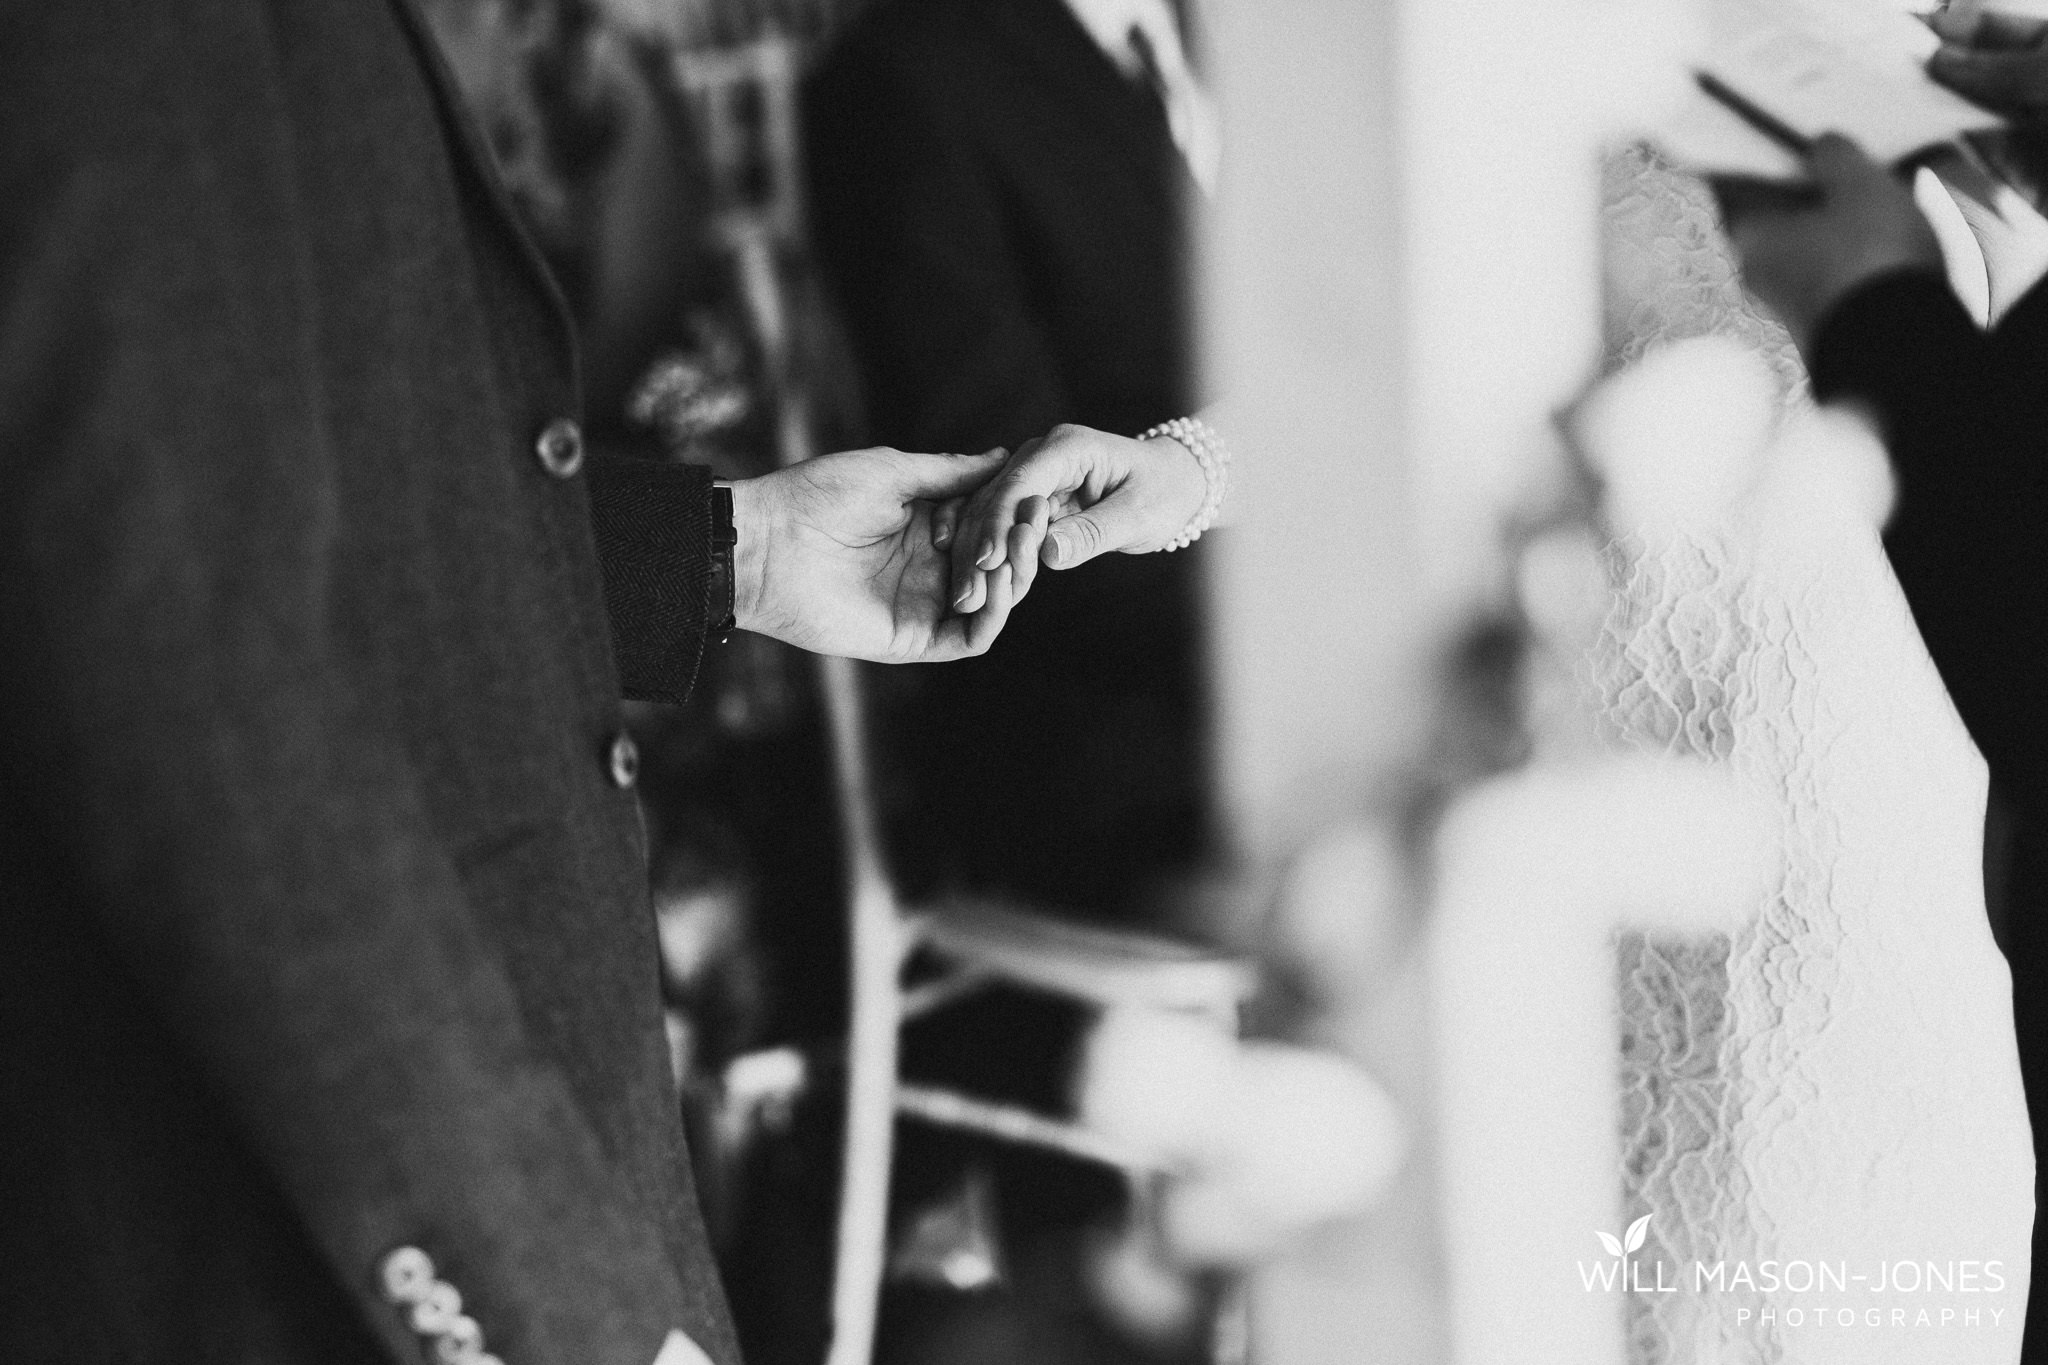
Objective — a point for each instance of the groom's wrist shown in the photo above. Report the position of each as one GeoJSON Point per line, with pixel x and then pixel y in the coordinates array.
{"type": "Point", "coordinates": [752, 516]}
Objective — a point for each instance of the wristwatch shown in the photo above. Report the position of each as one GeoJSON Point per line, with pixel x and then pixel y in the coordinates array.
{"type": "Point", "coordinates": [724, 536]}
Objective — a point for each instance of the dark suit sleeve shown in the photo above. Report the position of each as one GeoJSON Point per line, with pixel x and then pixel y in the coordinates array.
{"type": "Point", "coordinates": [1965, 417]}
{"type": "Point", "coordinates": [218, 764]}
{"type": "Point", "coordinates": [914, 233]}
{"type": "Point", "coordinates": [653, 525]}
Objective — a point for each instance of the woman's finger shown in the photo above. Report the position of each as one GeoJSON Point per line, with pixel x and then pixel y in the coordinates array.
{"type": "Point", "coordinates": [961, 636]}
{"type": "Point", "coordinates": [970, 591]}
{"type": "Point", "coordinates": [1025, 537]}
{"type": "Point", "coordinates": [986, 624]}
{"type": "Point", "coordinates": [985, 506]}
{"type": "Point", "coordinates": [945, 520]}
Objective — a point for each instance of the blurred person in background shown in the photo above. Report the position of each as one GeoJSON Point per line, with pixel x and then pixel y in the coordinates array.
{"type": "Point", "coordinates": [602, 165]}
{"type": "Point", "coordinates": [1855, 272]}
{"type": "Point", "coordinates": [1000, 204]}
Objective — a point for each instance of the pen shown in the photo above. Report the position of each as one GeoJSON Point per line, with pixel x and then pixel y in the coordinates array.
{"type": "Point", "coordinates": [1769, 125]}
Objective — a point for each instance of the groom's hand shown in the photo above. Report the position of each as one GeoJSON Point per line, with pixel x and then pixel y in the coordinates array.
{"type": "Point", "coordinates": [837, 556]}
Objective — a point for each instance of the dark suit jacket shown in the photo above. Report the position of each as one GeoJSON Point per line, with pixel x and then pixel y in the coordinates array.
{"type": "Point", "coordinates": [1001, 214]}
{"type": "Point", "coordinates": [323, 923]}
{"type": "Point", "coordinates": [1965, 415]}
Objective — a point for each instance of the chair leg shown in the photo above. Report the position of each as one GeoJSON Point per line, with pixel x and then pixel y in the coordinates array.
{"type": "Point", "coordinates": [878, 940]}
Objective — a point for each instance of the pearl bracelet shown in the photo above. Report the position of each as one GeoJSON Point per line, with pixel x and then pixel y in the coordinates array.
{"type": "Point", "coordinates": [1207, 447]}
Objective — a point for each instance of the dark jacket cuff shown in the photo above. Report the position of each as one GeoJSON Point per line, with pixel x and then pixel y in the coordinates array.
{"type": "Point", "coordinates": [1888, 337]}
{"type": "Point", "coordinates": [653, 526]}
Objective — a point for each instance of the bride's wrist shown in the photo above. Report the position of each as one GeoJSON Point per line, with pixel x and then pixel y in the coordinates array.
{"type": "Point", "coordinates": [1188, 482]}
{"type": "Point", "coordinates": [1204, 458]}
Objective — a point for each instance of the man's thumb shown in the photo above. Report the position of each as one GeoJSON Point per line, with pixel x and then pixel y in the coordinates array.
{"type": "Point", "coordinates": [939, 477]}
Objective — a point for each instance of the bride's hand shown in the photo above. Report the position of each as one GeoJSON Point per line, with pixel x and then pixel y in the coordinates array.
{"type": "Point", "coordinates": [1069, 496]}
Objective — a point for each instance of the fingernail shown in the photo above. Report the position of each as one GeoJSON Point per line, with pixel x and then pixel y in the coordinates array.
{"type": "Point", "coordinates": [963, 597]}
{"type": "Point", "coordinates": [1059, 547]}
{"type": "Point", "coordinates": [943, 538]}
{"type": "Point", "coordinates": [987, 558]}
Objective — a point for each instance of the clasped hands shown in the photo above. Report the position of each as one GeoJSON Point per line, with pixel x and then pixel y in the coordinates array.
{"type": "Point", "coordinates": [1804, 249]}
{"type": "Point", "coordinates": [907, 558]}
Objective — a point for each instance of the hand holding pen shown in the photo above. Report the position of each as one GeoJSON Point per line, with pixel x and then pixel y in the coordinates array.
{"type": "Point", "coordinates": [1805, 248]}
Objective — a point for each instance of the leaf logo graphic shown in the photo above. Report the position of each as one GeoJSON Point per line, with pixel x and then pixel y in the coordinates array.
{"type": "Point", "coordinates": [1629, 1241]}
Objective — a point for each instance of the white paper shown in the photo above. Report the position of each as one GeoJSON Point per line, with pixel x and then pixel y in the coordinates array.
{"type": "Point", "coordinates": [1705, 135]}
{"type": "Point", "coordinates": [1846, 66]}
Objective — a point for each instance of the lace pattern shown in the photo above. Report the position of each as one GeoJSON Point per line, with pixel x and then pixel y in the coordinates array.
{"type": "Point", "coordinates": [1774, 1099]}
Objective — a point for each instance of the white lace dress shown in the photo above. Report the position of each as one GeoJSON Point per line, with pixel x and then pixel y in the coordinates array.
{"type": "Point", "coordinates": [1836, 1082]}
